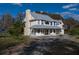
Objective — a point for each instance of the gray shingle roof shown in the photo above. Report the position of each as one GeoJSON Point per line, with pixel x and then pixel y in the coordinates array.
{"type": "Point", "coordinates": [45, 27]}
{"type": "Point", "coordinates": [41, 17]}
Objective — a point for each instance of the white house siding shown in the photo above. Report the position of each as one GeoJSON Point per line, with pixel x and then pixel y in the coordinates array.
{"type": "Point", "coordinates": [62, 32]}
{"type": "Point", "coordinates": [43, 22]}
{"type": "Point", "coordinates": [33, 23]}
{"type": "Point", "coordinates": [36, 23]}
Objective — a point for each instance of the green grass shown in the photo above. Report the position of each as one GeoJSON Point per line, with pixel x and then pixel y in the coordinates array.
{"type": "Point", "coordinates": [10, 41]}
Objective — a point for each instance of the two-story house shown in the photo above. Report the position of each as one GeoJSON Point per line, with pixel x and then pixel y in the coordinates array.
{"type": "Point", "coordinates": [41, 25]}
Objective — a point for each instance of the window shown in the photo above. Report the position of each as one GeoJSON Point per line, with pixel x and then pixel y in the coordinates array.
{"type": "Point", "coordinates": [46, 22]}
{"type": "Point", "coordinates": [55, 23]}
{"type": "Point", "coordinates": [51, 23]}
{"type": "Point", "coordinates": [60, 22]}
{"type": "Point", "coordinates": [50, 30]}
{"type": "Point", "coordinates": [41, 22]}
{"type": "Point", "coordinates": [38, 30]}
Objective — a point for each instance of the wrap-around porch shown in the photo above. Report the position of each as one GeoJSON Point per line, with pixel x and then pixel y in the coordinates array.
{"type": "Point", "coordinates": [39, 32]}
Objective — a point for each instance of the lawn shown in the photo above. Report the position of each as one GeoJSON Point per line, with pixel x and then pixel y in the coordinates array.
{"type": "Point", "coordinates": [10, 41]}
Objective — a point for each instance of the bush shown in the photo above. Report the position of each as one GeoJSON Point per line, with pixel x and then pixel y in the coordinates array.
{"type": "Point", "coordinates": [16, 29]}
{"type": "Point", "coordinates": [74, 31]}
{"type": "Point", "coordinates": [6, 42]}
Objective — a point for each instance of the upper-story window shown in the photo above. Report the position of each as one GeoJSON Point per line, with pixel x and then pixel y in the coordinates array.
{"type": "Point", "coordinates": [56, 23]}
{"type": "Point", "coordinates": [47, 22]}
{"type": "Point", "coordinates": [51, 23]}
{"type": "Point", "coordinates": [60, 22]}
{"type": "Point", "coordinates": [42, 22]}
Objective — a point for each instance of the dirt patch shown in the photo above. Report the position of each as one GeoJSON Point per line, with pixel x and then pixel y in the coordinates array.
{"type": "Point", "coordinates": [52, 46]}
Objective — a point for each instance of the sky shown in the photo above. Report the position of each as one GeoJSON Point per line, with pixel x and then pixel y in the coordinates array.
{"type": "Point", "coordinates": [65, 9]}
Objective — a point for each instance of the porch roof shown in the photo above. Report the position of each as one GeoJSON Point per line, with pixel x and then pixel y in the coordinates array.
{"type": "Point", "coordinates": [44, 27]}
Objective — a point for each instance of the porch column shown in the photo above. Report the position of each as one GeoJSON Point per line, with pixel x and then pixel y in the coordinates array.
{"type": "Point", "coordinates": [31, 32]}
{"type": "Point", "coordinates": [40, 22]}
{"type": "Point", "coordinates": [48, 31]}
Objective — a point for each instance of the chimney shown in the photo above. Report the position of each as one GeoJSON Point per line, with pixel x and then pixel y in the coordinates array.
{"type": "Point", "coordinates": [28, 11]}
{"type": "Point", "coordinates": [41, 11]}
{"type": "Point", "coordinates": [28, 17]}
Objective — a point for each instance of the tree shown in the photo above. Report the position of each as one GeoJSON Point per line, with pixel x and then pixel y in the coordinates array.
{"type": "Point", "coordinates": [20, 16]}
{"type": "Point", "coordinates": [7, 20]}
{"type": "Point", "coordinates": [17, 28]}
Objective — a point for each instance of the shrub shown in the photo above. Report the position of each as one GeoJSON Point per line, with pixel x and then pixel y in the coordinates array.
{"type": "Point", "coordinates": [6, 42]}
{"type": "Point", "coordinates": [74, 31]}
{"type": "Point", "coordinates": [16, 29]}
